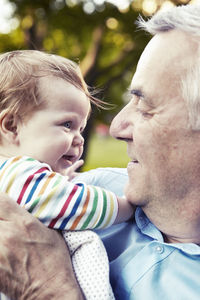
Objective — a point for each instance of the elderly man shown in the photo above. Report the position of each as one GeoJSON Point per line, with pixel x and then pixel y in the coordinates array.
{"type": "Point", "coordinates": [157, 255]}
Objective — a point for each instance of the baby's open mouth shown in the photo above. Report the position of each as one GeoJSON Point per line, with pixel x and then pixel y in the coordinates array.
{"type": "Point", "coordinates": [70, 158]}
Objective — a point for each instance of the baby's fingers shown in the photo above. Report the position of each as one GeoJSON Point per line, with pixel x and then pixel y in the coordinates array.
{"type": "Point", "coordinates": [71, 171]}
{"type": "Point", "coordinates": [77, 165]}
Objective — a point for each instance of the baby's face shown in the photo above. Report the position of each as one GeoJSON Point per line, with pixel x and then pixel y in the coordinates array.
{"type": "Point", "coordinates": [54, 134]}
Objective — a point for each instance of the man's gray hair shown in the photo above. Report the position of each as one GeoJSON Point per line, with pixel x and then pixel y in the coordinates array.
{"type": "Point", "coordinates": [187, 19]}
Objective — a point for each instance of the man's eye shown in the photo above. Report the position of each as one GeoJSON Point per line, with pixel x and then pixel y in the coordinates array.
{"type": "Point", "coordinates": [144, 114]}
{"type": "Point", "coordinates": [67, 124]}
{"type": "Point", "coordinates": [82, 130]}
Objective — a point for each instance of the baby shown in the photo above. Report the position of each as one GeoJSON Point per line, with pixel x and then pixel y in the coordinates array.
{"type": "Point", "coordinates": [44, 108]}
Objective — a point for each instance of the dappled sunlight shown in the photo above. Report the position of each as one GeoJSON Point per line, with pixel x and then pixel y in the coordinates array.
{"type": "Point", "coordinates": [112, 23]}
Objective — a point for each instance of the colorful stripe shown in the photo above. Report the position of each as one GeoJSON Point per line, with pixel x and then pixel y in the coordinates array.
{"type": "Point", "coordinates": [103, 211]}
{"type": "Point", "coordinates": [55, 201]}
{"type": "Point", "coordinates": [92, 213]}
{"type": "Point", "coordinates": [53, 222]}
{"type": "Point", "coordinates": [111, 211]}
{"type": "Point", "coordinates": [74, 209]}
{"type": "Point", "coordinates": [7, 164]}
{"type": "Point", "coordinates": [28, 181]}
{"type": "Point", "coordinates": [50, 194]}
{"type": "Point", "coordinates": [38, 180]}
{"type": "Point", "coordinates": [83, 212]}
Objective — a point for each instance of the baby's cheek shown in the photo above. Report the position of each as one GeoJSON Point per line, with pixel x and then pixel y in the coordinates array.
{"type": "Point", "coordinates": [80, 151]}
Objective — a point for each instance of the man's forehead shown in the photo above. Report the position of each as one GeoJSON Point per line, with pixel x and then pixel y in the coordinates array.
{"type": "Point", "coordinates": [151, 46]}
{"type": "Point", "coordinates": [171, 43]}
{"type": "Point", "coordinates": [167, 54]}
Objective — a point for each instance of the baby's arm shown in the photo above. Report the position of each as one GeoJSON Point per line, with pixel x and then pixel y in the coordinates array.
{"type": "Point", "coordinates": [54, 200]}
{"type": "Point", "coordinates": [112, 179]}
{"type": "Point", "coordinates": [125, 210]}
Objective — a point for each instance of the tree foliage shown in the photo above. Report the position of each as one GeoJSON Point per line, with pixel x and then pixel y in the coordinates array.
{"type": "Point", "coordinates": [105, 42]}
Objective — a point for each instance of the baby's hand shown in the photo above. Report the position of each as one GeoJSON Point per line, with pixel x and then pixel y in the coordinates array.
{"type": "Point", "coordinates": [71, 171]}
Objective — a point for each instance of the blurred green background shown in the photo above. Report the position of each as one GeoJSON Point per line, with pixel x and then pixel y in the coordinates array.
{"type": "Point", "coordinates": [102, 37]}
{"type": "Point", "coordinates": [105, 152]}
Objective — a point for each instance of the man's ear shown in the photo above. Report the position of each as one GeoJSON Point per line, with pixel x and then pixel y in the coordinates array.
{"type": "Point", "coordinates": [8, 126]}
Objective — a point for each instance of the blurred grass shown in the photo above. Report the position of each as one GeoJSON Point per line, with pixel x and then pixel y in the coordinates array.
{"type": "Point", "coordinates": [106, 152]}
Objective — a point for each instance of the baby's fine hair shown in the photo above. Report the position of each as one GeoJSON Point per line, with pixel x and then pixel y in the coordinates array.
{"type": "Point", "coordinates": [20, 72]}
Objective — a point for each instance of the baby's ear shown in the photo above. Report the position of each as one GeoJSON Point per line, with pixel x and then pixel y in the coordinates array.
{"type": "Point", "coordinates": [8, 126]}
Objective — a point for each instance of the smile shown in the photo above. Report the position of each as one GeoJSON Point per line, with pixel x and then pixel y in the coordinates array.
{"type": "Point", "coordinates": [70, 158]}
{"type": "Point", "coordinates": [132, 164]}
{"type": "Point", "coordinates": [135, 161]}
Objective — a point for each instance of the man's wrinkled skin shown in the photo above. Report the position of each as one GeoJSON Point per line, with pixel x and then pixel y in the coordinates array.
{"type": "Point", "coordinates": [26, 243]}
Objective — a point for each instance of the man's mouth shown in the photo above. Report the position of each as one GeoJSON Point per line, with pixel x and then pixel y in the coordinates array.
{"type": "Point", "coordinates": [135, 161]}
{"type": "Point", "coordinates": [132, 163]}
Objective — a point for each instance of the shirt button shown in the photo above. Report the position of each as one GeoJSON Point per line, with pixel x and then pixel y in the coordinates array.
{"type": "Point", "coordinates": [159, 249]}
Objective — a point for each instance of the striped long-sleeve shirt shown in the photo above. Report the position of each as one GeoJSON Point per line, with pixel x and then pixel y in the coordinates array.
{"type": "Point", "coordinates": [55, 201]}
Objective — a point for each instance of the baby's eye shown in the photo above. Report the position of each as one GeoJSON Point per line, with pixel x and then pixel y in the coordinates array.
{"type": "Point", "coordinates": [67, 124]}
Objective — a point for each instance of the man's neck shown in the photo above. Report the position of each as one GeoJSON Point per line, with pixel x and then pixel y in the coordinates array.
{"type": "Point", "coordinates": [175, 240]}
{"type": "Point", "coordinates": [176, 227]}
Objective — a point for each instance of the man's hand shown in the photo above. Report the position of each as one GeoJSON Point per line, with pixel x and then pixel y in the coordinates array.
{"type": "Point", "coordinates": [34, 260]}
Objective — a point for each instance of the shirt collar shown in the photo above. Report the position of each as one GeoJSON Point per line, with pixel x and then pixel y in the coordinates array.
{"type": "Point", "coordinates": [149, 229]}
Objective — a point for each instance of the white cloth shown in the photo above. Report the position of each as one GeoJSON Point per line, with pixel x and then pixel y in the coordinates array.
{"type": "Point", "coordinates": [90, 263]}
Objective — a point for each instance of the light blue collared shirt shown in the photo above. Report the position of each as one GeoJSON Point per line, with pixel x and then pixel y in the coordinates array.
{"type": "Point", "coordinates": [142, 265]}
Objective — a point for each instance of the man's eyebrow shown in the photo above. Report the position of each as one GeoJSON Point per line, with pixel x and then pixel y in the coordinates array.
{"type": "Point", "coordinates": [140, 94]}
{"type": "Point", "coordinates": [137, 93]}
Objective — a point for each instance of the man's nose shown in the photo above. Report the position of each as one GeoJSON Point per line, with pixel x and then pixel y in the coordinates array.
{"type": "Point", "coordinates": [121, 126]}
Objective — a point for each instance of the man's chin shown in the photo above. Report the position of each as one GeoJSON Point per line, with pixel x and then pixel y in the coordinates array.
{"type": "Point", "coordinates": [129, 193]}
{"type": "Point", "coordinates": [132, 195]}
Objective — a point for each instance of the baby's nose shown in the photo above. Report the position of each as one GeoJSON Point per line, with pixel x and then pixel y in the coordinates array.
{"type": "Point", "coordinates": [78, 140]}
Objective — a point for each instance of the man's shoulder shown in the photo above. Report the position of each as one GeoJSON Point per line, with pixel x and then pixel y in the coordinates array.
{"type": "Point", "coordinates": [113, 179]}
